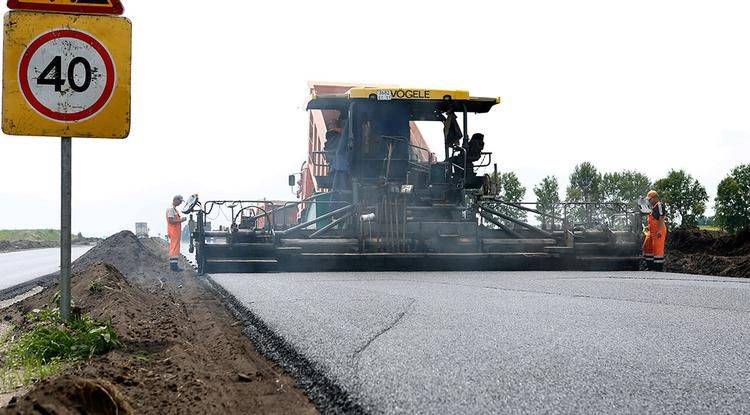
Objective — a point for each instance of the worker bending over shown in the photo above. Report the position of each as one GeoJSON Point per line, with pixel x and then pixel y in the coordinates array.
{"type": "Point", "coordinates": [656, 235]}
{"type": "Point", "coordinates": [174, 232]}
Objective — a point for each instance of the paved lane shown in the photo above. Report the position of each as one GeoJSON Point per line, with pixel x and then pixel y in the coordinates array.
{"type": "Point", "coordinates": [22, 266]}
{"type": "Point", "coordinates": [552, 342]}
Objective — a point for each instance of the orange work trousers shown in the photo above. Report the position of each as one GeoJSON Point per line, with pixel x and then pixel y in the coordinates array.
{"type": "Point", "coordinates": [174, 231]}
{"type": "Point", "coordinates": [653, 244]}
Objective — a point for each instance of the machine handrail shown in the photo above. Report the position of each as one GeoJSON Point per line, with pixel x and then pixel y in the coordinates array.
{"type": "Point", "coordinates": [430, 155]}
{"type": "Point", "coordinates": [317, 153]}
{"type": "Point", "coordinates": [489, 161]}
{"type": "Point", "coordinates": [463, 152]}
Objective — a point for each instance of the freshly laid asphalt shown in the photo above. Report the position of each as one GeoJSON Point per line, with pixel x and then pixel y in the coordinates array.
{"type": "Point", "coordinates": [515, 342]}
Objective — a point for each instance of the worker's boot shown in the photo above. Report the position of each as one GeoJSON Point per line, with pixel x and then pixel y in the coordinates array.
{"type": "Point", "coordinates": [173, 266]}
{"type": "Point", "coordinates": [659, 267]}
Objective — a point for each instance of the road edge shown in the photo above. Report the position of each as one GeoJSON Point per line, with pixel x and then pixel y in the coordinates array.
{"type": "Point", "coordinates": [44, 281]}
{"type": "Point", "coordinates": [327, 396]}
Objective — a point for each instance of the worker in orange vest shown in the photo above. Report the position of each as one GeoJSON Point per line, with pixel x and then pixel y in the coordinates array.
{"type": "Point", "coordinates": [174, 231]}
{"type": "Point", "coordinates": [656, 235]}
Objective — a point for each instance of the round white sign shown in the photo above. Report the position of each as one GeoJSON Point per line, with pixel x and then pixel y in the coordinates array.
{"type": "Point", "coordinates": [67, 75]}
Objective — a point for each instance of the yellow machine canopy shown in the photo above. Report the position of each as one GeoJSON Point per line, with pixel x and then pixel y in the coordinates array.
{"type": "Point", "coordinates": [425, 104]}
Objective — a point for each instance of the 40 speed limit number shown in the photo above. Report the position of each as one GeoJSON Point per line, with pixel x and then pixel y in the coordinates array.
{"type": "Point", "coordinates": [67, 75]}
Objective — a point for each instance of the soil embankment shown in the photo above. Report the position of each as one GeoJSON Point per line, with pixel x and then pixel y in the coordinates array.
{"type": "Point", "coordinates": [13, 245]}
{"type": "Point", "coordinates": [182, 351]}
{"type": "Point", "coordinates": [696, 251]}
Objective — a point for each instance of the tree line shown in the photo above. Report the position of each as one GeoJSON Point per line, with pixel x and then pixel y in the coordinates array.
{"type": "Point", "coordinates": [597, 195]}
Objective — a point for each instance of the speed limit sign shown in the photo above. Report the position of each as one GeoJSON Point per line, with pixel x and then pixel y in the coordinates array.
{"type": "Point", "coordinates": [66, 75]}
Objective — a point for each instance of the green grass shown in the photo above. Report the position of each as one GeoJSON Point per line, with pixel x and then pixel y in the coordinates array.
{"type": "Point", "coordinates": [37, 235]}
{"type": "Point", "coordinates": [47, 346]}
{"type": "Point", "coordinates": [5, 334]}
{"type": "Point", "coordinates": [97, 286]}
{"type": "Point", "coordinates": [12, 378]}
{"type": "Point", "coordinates": [143, 357]}
{"type": "Point", "coordinates": [16, 377]}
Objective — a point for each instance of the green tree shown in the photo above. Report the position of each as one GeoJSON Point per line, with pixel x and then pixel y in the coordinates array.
{"type": "Point", "coordinates": [547, 200]}
{"type": "Point", "coordinates": [707, 221]}
{"type": "Point", "coordinates": [585, 186]}
{"type": "Point", "coordinates": [733, 200]}
{"type": "Point", "coordinates": [622, 187]}
{"type": "Point", "coordinates": [625, 186]}
{"type": "Point", "coordinates": [685, 197]}
{"type": "Point", "coordinates": [511, 190]}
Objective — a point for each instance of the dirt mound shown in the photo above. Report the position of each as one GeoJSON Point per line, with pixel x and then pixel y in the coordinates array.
{"type": "Point", "coordinates": [137, 259]}
{"type": "Point", "coordinates": [705, 264]}
{"type": "Point", "coordinates": [72, 395]}
{"type": "Point", "coordinates": [710, 242]}
{"type": "Point", "coordinates": [697, 251]}
{"type": "Point", "coordinates": [101, 291]}
{"type": "Point", "coordinates": [182, 351]}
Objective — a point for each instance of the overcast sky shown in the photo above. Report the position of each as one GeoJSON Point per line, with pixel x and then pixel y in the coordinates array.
{"type": "Point", "coordinates": [219, 92]}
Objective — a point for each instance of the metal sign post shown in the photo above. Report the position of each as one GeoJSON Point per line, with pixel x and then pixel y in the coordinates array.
{"type": "Point", "coordinates": [66, 166]}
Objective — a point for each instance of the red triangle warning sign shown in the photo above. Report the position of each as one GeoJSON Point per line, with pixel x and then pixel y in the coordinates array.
{"type": "Point", "coordinates": [69, 6]}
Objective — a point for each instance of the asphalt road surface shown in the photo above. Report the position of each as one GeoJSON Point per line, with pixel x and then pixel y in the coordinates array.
{"type": "Point", "coordinates": [514, 342]}
{"type": "Point", "coordinates": [19, 267]}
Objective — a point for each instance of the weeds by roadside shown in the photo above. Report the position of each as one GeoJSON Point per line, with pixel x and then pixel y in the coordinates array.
{"type": "Point", "coordinates": [46, 345]}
